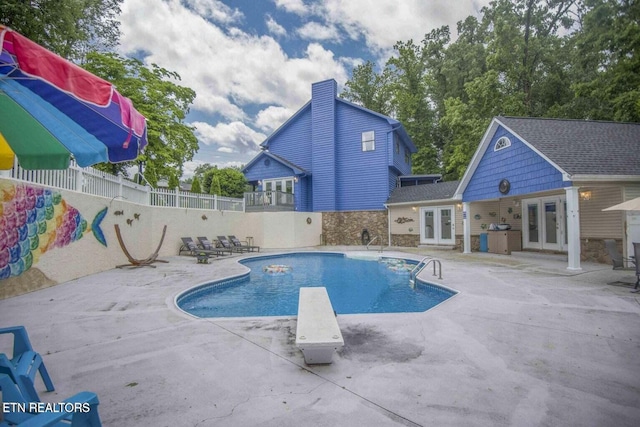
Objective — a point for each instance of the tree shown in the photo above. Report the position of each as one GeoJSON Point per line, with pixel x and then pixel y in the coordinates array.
{"type": "Point", "coordinates": [164, 103]}
{"type": "Point", "coordinates": [227, 182]}
{"type": "Point", "coordinates": [173, 182]}
{"type": "Point", "coordinates": [369, 89]}
{"type": "Point", "coordinates": [607, 64]}
{"type": "Point", "coordinates": [69, 28]}
{"type": "Point", "coordinates": [195, 185]}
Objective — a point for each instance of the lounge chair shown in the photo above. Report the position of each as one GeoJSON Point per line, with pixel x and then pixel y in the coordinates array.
{"type": "Point", "coordinates": [206, 244]}
{"type": "Point", "coordinates": [229, 246]}
{"type": "Point", "coordinates": [238, 244]}
{"type": "Point", "coordinates": [616, 258]}
{"type": "Point", "coordinates": [190, 247]}
{"type": "Point", "coordinates": [18, 409]}
{"type": "Point", "coordinates": [24, 364]}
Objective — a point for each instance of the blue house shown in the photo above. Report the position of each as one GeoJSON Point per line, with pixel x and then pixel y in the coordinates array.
{"type": "Point", "coordinates": [533, 184]}
{"type": "Point", "coordinates": [330, 156]}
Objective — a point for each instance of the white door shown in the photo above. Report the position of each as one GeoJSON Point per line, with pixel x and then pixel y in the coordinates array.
{"type": "Point", "coordinates": [545, 223]}
{"type": "Point", "coordinates": [437, 225]}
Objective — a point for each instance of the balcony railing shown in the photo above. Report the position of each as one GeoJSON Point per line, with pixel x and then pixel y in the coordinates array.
{"type": "Point", "coordinates": [268, 201]}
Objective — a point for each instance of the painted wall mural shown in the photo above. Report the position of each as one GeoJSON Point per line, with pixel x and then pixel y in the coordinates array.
{"type": "Point", "coordinates": [34, 220]}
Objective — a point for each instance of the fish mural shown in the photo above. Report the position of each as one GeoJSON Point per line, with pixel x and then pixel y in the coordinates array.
{"type": "Point", "coordinates": [35, 220]}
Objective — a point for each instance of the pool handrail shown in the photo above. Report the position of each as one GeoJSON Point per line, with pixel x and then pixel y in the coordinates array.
{"type": "Point", "coordinates": [422, 265]}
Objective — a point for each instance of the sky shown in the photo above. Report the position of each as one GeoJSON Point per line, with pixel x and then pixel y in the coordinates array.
{"type": "Point", "coordinates": [252, 62]}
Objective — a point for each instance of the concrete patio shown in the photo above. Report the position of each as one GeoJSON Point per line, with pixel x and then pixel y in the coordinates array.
{"type": "Point", "coordinates": [525, 342]}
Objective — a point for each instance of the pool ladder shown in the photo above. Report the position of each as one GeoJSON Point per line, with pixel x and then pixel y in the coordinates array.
{"type": "Point", "coordinates": [437, 266]}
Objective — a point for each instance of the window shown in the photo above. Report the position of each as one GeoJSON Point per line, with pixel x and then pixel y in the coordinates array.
{"type": "Point", "coordinates": [407, 157]}
{"type": "Point", "coordinates": [397, 143]}
{"type": "Point", "coordinates": [501, 143]}
{"type": "Point", "coordinates": [368, 141]}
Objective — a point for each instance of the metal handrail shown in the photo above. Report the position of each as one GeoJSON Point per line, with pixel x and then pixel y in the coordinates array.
{"type": "Point", "coordinates": [373, 240]}
{"type": "Point", "coordinates": [422, 265]}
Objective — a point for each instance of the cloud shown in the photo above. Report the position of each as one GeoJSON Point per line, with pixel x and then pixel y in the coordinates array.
{"type": "Point", "coordinates": [293, 6]}
{"type": "Point", "coordinates": [271, 118]}
{"type": "Point", "coordinates": [215, 11]}
{"type": "Point", "coordinates": [317, 31]}
{"type": "Point", "coordinates": [275, 28]}
{"type": "Point", "coordinates": [227, 67]}
{"type": "Point", "coordinates": [234, 137]}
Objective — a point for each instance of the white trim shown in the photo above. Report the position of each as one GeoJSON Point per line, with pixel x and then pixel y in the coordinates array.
{"type": "Point", "coordinates": [423, 202]}
{"type": "Point", "coordinates": [628, 178]}
{"type": "Point", "coordinates": [484, 145]}
{"type": "Point", "coordinates": [437, 225]}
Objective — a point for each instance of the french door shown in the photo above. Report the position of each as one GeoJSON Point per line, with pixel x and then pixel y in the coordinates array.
{"type": "Point", "coordinates": [544, 223]}
{"type": "Point", "coordinates": [437, 225]}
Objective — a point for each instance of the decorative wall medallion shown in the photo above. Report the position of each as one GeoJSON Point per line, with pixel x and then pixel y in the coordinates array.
{"type": "Point", "coordinates": [504, 186]}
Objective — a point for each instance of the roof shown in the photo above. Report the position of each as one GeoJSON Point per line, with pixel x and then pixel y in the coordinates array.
{"type": "Point", "coordinates": [423, 193]}
{"type": "Point", "coordinates": [297, 170]}
{"type": "Point", "coordinates": [395, 125]}
{"type": "Point", "coordinates": [582, 147]}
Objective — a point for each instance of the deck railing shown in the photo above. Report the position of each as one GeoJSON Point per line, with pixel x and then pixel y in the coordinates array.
{"type": "Point", "coordinates": [259, 201]}
{"type": "Point", "coordinates": [92, 181]}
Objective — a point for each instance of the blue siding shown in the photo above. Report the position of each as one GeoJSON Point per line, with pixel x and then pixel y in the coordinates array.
{"type": "Point", "coordinates": [267, 168]}
{"type": "Point", "coordinates": [323, 145]}
{"type": "Point", "coordinates": [325, 138]}
{"type": "Point", "coordinates": [363, 176]}
{"type": "Point", "coordinates": [398, 158]}
{"type": "Point", "coordinates": [293, 142]}
{"type": "Point", "coordinates": [524, 168]}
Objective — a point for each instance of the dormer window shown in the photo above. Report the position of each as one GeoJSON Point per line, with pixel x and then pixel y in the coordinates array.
{"type": "Point", "coordinates": [502, 143]}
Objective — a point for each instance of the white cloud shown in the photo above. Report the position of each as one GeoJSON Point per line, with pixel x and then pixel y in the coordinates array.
{"type": "Point", "coordinates": [294, 6]}
{"type": "Point", "coordinates": [227, 69]}
{"type": "Point", "coordinates": [234, 137]}
{"type": "Point", "coordinates": [215, 11]}
{"type": "Point", "coordinates": [272, 118]}
{"type": "Point", "coordinates": [275, 28]}
{"type": "Point", "coordinates": [317, 31]}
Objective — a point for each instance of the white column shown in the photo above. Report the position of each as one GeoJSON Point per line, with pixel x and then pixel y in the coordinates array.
{"type": "Point", "coordinates": [573, 228]}
{"type": "Point", "coordinates": [466, 226]}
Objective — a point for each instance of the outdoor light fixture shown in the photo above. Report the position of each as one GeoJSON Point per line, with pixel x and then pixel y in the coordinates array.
{"type": "Point", "coordinates": [585, 195]}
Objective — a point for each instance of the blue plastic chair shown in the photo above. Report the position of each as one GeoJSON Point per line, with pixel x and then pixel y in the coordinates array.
{"type": "Point", "coordinates": [82, 413]}
{"type": "Point", "coordinates": [24, 364]}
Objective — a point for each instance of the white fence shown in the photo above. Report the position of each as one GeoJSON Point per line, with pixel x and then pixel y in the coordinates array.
{"type": "Point", "coordinates": [92, 181]}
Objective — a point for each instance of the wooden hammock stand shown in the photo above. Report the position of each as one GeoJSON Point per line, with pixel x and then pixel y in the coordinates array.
{"type": "Point", "coordinates": [135, 263]}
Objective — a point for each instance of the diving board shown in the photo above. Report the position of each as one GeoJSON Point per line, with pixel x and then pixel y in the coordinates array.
{"type": "Point", "coordinates": [318, 334]}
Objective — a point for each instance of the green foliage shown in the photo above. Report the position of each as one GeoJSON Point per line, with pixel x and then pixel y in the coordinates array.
{"type": "Point", "coordinates": [173, 182]}
{"type": "Point", "coordinates": [227, 182]}
{"type": "Point", "coordinates": [69, 28]}
{"type": "Point", "coordinates": [533, 58]}
{"type": "Point", "coordinates": [195, 185]}
{"type": "Point", "coordinates": [162, 101]}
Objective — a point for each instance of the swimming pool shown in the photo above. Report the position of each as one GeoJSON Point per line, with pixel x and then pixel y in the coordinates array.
{"type": "Point", "coordinates": [371, 285]}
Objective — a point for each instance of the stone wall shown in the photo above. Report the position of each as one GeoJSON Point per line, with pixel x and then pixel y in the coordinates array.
{"type": "Point", "coordinates": [405, 240]}
{"type": "Point", "coordinates": [594, 250]}
{"type": "Point", "coordinates": [345, 228]}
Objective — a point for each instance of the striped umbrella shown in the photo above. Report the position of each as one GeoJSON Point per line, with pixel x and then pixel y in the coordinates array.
{"type": "Point", "coordinates": [52, 110]}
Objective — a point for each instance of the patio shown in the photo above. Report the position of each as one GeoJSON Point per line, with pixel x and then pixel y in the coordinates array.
{"type": "Point", "coordinates": [526, 342]}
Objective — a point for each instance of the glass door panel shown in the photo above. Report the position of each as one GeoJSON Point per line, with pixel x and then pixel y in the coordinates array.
{"type": "Point", "coordinates": [550, 223]}
{"type": "Point", "coordinates": [428, 229]}
{"type": "Point", "coordinates": [446, 225]}
{"type": "Point", "coordinates": [532, 220]}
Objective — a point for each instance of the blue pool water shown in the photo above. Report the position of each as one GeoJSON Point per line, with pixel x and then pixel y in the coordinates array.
{"type": "Point", "coordinates": [354, 286]}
